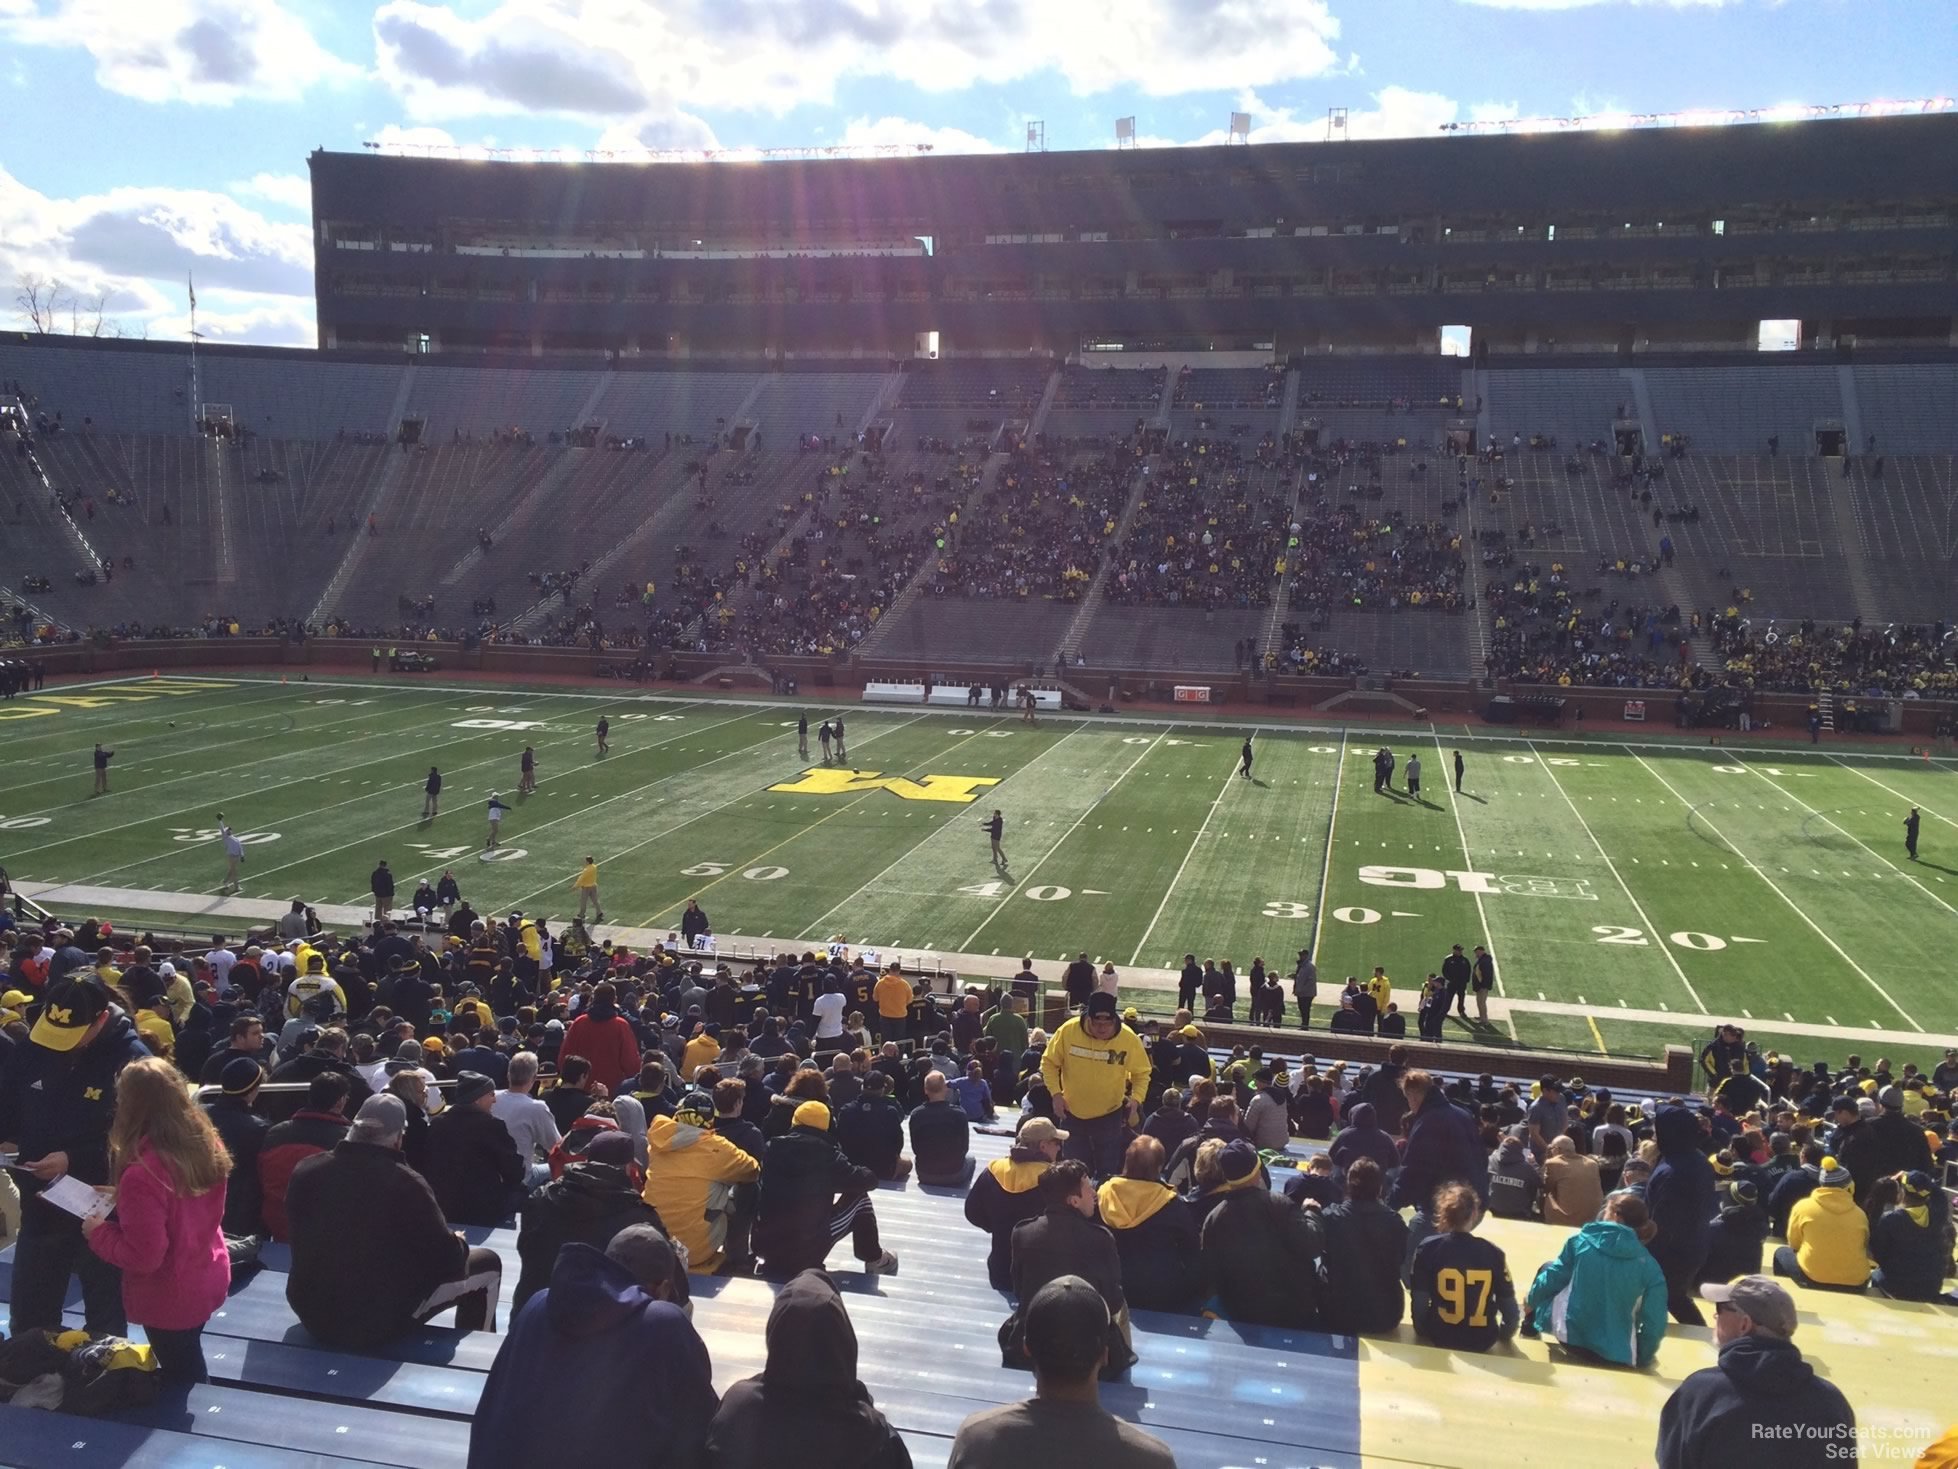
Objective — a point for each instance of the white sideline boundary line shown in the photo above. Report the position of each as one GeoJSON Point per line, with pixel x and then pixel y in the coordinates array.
{"type": "Point", "coordinates": [1775, 887]}
{"type": "Point", "coordinates": [1145, 718]}
{"type": "Point", "coordinates": [1326, 862]}
{"type": "Point", "coordinates": [1136, 957]}
{"type": "Point", "coordinates": [1893, 791]}
{"type": "Point", "coordinates": [1756, 770]}
{"type": "Point", "coordinates": [1637, 907]}
{"type": "Point", "coordinates": [1092, 805]}
{"type": "Point", "coordinates": [1468, 857]}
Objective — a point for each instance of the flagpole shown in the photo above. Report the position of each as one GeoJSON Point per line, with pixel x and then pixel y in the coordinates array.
{"type": "Point", "coordinates": [191, 280]}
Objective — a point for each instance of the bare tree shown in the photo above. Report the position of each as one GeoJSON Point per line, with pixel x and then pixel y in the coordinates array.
{"type": "Point", "coordinates": [40, 302]}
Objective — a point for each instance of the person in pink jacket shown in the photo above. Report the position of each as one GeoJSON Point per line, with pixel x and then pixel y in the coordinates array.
{"type": "Point", "coordinates": [168, 1167]}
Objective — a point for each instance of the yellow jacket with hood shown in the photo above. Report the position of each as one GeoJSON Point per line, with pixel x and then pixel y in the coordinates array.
{"type": "Point", "coordinates": [1127, 1203]}
{"type": "Point", "coordinates": [1830, 1235]}
{"type": "Point", "coordinates": [689, 1174]}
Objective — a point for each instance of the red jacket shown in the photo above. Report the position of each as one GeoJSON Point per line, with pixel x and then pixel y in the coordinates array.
{"type": "Point", "coordinates": [168, 1245]}
{"type": "Point", "coordinates": [608, 1043]}
{"type": "Point", "coordinates": [286, 1146]}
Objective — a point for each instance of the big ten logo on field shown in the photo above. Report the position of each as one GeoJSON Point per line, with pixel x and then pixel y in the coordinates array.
{"type": "Point", "coordinates": [108, 696]}
{"type": "Point", "coordinates": [961, 790]}
{"type": "Point", "coordinates": [1487, 884]}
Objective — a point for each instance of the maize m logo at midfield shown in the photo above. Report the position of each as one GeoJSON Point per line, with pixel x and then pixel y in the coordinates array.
{"type": "Point", "coordinates": [960, 790]}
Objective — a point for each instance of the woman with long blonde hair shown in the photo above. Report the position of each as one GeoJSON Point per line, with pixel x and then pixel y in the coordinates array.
{"type": "Point", "coordinates": [168, 1168]}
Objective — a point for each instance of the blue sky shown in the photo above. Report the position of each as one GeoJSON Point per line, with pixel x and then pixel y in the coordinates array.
{"type": "Point", "coordinates": [139, 141]}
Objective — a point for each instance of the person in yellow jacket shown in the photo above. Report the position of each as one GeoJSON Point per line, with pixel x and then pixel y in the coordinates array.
{"type": "Point", "coordinates": [1828, 1235]}
{"type": "Point", "coordinates": [892, 996]}
{"type": "Point", "coordinates": [691, 1176]}
{"type": "Point", "coordinates": [1098, 1072]}
{"type": "Point", "coordinates": [1381, 988]}
{"type": "Point", "coordinates": [1007, 1193]}
{"type": "Point", "coordinates": [701, 1050]}
{"type": "Point", "coordinates": [587, 889]}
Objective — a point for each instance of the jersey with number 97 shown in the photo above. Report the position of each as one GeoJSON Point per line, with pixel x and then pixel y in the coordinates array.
{"type": "Point", "coordinates": [1461, 1292]}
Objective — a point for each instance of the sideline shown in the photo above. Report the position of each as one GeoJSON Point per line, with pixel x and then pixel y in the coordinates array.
{"type": "Point", "coordinates": [738, 948]}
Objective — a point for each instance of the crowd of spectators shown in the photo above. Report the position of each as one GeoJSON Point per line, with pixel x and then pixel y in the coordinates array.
{"type": "Point", "coordinates": [1897, 660]}
{"type": "Point", "coordinates": [650, 1117]}
{"type": "Point", "coordinates": [1040, 530]}
{"type": "Point", "coordinates": [870, 527]}
{"type": "Point", "coordinates": [1208, 531]}
{"type": "Point", "coordinates": [1540, 632]}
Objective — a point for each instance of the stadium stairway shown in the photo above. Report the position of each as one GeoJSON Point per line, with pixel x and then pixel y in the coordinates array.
{"type": "Point", "coordinates": [1219, 1394]}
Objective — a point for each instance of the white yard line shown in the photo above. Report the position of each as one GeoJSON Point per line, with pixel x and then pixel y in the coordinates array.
{"type": "Point", "coordinates": [1136, 957]}
{"type": "Point", "coordinates": [205, 806]}
{"type": "Point", "coordinates": [1326, 863]}
{"type": "Point", "coordinates": [1468, 856]}
{"type": "Point", "coordinates": [1637, 907]}
{"type": "Point", "coordinates": [817, 926]}
{"type": "Point", "coordinates": [315, 811]}
{"type": "Point", "coordinates": [1853, 837]}
{"type": "Point", "coordinates": [1893, 791]}
{"type": "Point", "coordinates": [1775, 888]}
{"type": "Point", "coordinates": [542, 780]}
{"type": "Point", "coordinates": [1001, 908]}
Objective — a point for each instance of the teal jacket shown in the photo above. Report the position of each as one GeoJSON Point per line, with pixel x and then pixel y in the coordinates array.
{"type": "Point", "coordinates": [1604, 1293]}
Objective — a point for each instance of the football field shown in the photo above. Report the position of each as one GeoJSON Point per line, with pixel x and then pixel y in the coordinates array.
{"type": "Point", "coordinates": [1629, 889]}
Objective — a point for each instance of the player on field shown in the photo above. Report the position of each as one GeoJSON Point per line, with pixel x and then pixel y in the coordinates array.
{"type": "Point", "coordinates": [604, 732]}
{"type": "Point", "coordinates": [1910, 833]}
{"type": "Point", "coordinates": [825, 737]}
{"type": "Point", "coordinates": [841, 753]}
{"type": "Point", "coordinates": [102, 759]}
{"type": "Point", "coordinates": [1383, 770]}
{"type": "Point", "coordinates": [496, 810]}
{"type": "Point", "coordinates": [234, 852]}
{"type": "Point", "coordinates": [431, 794]}
{"type": "Point", "coordinates": [587, 886]}
{"type": "Point", "coordinates": [996, 828]}
{"type": "Point", "coordinates": [527, 772]}
{"type": "Point", "coordinates": [1414, 776]}
{"type": "Point", "coordinates": [802, 735]}
{"type": "Point", "coordinates": [1027, 705]}
{"type": "Point", "coordinates": [1244, 760]}
{"type": "Point", "coordinates": [1458, 772]}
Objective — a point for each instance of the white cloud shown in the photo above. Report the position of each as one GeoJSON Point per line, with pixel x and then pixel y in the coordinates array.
{"type": "Point", "coordinates": [396, 137]}
{"type": "Point", "coordinates": [137, 246]}
{"type": "Point", "coordinates": [286, 189]}
{"type": "Point", "coordinates": [903, 132]}
{"type": "Point", "coordinates": [1587, 4]}
{"type": "Point", "coordinates": [211, 52]}
{"type": "Point", "coordinates": [625, 59]}
{"type": "Point", "coordinates": [1398, 112]}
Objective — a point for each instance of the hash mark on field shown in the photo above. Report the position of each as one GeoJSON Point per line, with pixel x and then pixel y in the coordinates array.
{"type": "Point", "coordinates": [1748, 1013]}
{"type": "Point", "coordinates": [1541, 995]}
{"type": "Point", "coordinates": [1664, 1006]}
{"type": "Point", "coordinates": [1831, 1019]}
{"type": "Point", "coordinates": [1623, 1006]}
{"type": "Point", "coordinates": [1786, 1016]}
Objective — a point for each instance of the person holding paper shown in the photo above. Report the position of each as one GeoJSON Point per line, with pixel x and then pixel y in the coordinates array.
{"type": "Point", "coordinates": [167, 1232]}
{"type": "Point", "coordinates": [55, 1110]}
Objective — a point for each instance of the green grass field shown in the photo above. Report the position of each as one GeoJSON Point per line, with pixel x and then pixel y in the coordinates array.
{"type": "Point", "coordinates": [1627, 891]}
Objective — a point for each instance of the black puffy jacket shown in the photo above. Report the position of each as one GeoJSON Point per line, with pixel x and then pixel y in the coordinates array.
{"type": "Point", "coordinates": [588, 1204]}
